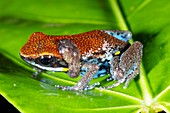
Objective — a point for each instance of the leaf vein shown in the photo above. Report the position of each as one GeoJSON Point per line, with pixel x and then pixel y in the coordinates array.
{"type": "Point", "coordinates": [161, 93]}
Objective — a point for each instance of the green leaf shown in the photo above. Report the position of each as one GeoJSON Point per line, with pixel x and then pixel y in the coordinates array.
{"type": "Point", "coordinates": [149, 23]}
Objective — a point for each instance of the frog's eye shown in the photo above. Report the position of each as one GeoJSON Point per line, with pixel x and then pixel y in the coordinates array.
{"type": "Point", "coordinates": [45, 60]}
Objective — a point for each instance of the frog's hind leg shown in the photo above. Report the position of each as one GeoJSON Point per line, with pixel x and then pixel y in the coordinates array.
{"type": "Point", "coordinates": [134, 52]}
{"type": "Point", "coordinates": [133, 75]}
{"type": "Point", "coordinates": [38, 71]}
{"type": "Point", "coordinates": [127, 66]}
{"type": "Point", "coordinates": [116, 73]}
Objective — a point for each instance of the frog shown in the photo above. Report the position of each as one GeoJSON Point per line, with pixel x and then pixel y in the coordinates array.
{"type": "Point", "coordinates": [90, 54]}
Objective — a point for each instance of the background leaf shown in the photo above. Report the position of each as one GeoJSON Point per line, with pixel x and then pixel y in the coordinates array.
{"type": "Point", "coordinates": [147, 19]}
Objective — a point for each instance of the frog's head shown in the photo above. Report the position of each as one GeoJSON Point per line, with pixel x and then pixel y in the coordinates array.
{"type": "Point", "coordinates": [41, 51]}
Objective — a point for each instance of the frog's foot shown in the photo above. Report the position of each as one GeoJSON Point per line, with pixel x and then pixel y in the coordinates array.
{"type": "Point", "coordinates": [38, 71]}
{"type": "Point", "coordinates": [74, 88]}
{"type": "Point", "coordinates": [92, 86]}
{"type": "Point", "coordinates": [113, 85]}
{"type": "Point", "coordinates": [120, 81]}
{"type": "Point", "coordinates": [109, 79]}
{"type": "Point", "coordinates": [84, 81]}
{"type": "Point", "coordinates": [65, 87]}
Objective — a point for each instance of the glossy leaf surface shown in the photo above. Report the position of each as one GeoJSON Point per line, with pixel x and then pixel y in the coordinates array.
{"type": "Point", "coordinates": [149, 23]}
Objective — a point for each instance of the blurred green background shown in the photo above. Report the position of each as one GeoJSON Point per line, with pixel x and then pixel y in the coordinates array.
{"type": "Point", "coordinates": [147, 19]}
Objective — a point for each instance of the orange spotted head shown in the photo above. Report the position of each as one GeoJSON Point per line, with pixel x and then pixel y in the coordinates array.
{"type": "Point", "coordinates": [42, 51]}
{"type": "Point", "coordinates": [38, 45]}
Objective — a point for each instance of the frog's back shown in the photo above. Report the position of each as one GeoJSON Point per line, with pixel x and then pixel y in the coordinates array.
{"type": "Point", "coordinates": [92, 43]}
{"type": "Point", "coordinates": [97, 42]}
{"type": "Point", "coordinates": [97, 47]}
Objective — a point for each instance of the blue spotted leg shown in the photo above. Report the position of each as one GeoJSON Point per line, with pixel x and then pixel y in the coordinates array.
{"type": "Point", "coordinates": [127, 66]}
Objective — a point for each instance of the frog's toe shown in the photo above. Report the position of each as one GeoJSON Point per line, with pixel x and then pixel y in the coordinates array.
{"type": "Point", "coordinates": [109, 79]}
{"type": "Point", "coordinates": [70, 88]}
{"type": "Point", "coordinates": [38, 71]}
{"type": "Point", "coordinates": [102, 88]}
{"type": "Point", "coordinates": [125, 87]}
{"type": "Point", "coordinates": [92, 86]}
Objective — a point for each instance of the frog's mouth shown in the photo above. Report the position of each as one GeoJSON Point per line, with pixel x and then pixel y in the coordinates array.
{"type": "Point", "coordinates": [47, 62]}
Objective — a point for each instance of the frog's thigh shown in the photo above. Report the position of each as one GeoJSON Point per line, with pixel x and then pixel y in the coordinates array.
{"type": "Point", "coordinates": [130, 61]}
{"type": "Point", "coordinates": [131, 56]}
{"type": "Point", "coordinates": [71, 54]}
{"type": "Point", "coordinates": [128, 66]}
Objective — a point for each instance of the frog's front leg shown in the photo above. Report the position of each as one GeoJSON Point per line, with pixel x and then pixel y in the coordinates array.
{"type": "Point", "coordinates": [71, 54]}
{"type": "Point", "coordinates": [84, 81]}
{"type": "Point", "coordinates": [125, 67]}
{"type": "Point", "coordinates": [37, 72]}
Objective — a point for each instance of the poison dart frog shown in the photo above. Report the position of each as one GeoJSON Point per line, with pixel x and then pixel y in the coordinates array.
{"type": "Point", "coordinates": [91, 54]}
